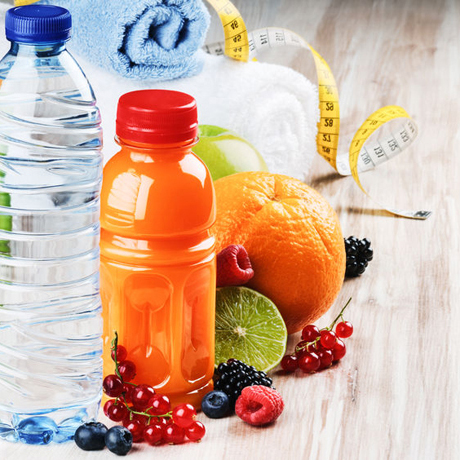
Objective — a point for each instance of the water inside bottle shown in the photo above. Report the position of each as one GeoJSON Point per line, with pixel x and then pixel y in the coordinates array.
{"type": "Point", "coordinates": [50, 174]}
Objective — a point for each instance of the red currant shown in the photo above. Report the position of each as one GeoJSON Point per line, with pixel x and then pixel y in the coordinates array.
{"type": "Point", "coordinates": [173, 434]}
{"type": "Point", "coordinates": [325, 357]}
{"type": "Point", "coordinates": [128, 391]}
{"type": "Point", "coordinates": [112, 385]}
{"type": "Point", "coordinates": [127, 370]}
{"type": "Point", "coordinates": [301, 348]}
{"type": "Point", "coordinates": [163, 421]}
{"type": "Point", "coordinates": [159, 405]}
{"type": "Point", "coordinates": [196, 431]}
{"type": "Point", "coordinates": [289, 363]}
{"type": "Point", "coordinates": [310, 333]}
{"type": "Point", "coordinates": [184, 415]}
{"type": "Point", "coordinates": [141, 396]}
{"type": "Point", "coordinates": [142, 419]}
{"type": "Point", "coordinates": [122, 354]}
{"type": "Point", "coordinates": [309, 363]}
{"type": "Point", "coordinates": [117, 412]}
{"type": "Point", "coordinates": [328, 339]}
{"type": "Point", "coordinates": [107, 406]}
{"type": "Point", "coordinates": [339, 350]}
{"type": "Point", "coordinates": [136, 428]}
{"type": "Point", "coordinates": [344, 329]}
{"type": "Point", "coordinates": [153, 434]}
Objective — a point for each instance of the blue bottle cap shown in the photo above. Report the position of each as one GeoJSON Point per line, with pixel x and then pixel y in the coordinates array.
{"type": "Point", "coordinates": [38, 24]}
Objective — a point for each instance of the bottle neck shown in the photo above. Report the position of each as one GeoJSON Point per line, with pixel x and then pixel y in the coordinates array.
{"type": "Point", "coordinates": [143, 148]}
{"type": "Point", "coordinates": [37, 49]}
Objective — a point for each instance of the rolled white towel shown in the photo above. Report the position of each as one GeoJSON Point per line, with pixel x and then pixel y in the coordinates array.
{"type": "Point", "coordinates": [272, 106]}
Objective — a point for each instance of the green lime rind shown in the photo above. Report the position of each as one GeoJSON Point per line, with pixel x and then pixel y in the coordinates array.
{"type": "Point", "coordinates": [249, 327]}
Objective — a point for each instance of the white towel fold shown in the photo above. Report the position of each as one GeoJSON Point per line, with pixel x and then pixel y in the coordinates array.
{"type": "Point", "coordinates": [272, 106]}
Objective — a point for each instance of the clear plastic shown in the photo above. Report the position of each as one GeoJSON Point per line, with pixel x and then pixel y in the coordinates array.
{"type": "Point", "coordinates": [50, 310]}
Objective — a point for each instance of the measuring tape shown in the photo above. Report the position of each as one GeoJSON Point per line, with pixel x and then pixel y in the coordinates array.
{"type": "Point", "coordinates": [241, 45]}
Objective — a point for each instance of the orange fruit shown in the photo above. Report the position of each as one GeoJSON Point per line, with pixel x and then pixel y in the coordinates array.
{"type": "Point", "coordinates": [293, 238]}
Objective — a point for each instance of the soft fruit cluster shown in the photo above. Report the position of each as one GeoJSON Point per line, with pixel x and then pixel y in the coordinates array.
{"type": "Point", "coordinates": [359, 254]}
{"type": "Point", "coordinates": [234, 375]}
{"type": "Point", "coordinates": [319, 348]}
{"type": "Point", "coordinates": [233, 266]}
{"type": "Point", "coordinates": [146, 414]}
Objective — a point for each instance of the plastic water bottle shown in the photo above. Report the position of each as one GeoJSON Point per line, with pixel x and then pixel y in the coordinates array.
{"type": "Point", "coordinates": [50, 176]}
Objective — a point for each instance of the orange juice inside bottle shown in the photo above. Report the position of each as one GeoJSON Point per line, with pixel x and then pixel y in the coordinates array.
{"type": "Point", "coordinates": [157, 255]}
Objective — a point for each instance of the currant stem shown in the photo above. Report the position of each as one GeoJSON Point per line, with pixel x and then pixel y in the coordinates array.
{"type": "Point", "coordinates": [150, 416]}
{"type": "Point", "coordinates": [114, 348]}
{"type": "Point", "coordinates": [304, 347]}
{"type": "Point", "coordinates": [340, 315]}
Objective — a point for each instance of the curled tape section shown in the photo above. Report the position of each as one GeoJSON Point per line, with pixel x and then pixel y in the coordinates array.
{"type": "Point", "coordinates": [360, 158]}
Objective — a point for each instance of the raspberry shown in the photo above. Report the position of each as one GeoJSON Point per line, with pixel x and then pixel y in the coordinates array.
{"type": "Point", "coordinates": [233, 266]}
{"type": "Point", "coordinates": [259, 405]}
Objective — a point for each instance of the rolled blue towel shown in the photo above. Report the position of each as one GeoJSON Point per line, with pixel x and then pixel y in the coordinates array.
{"type": "Point", "coordinates": [140, 39]}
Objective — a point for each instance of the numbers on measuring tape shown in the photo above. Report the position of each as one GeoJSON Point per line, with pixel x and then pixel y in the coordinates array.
{"type": "Point", "coordinates": [359, 158]}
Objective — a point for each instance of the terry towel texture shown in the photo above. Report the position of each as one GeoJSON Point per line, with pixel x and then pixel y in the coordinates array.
{"type": "Point", "coordinates": [273, 107]}
{"type": "Point", "coordinates": [141, 39]}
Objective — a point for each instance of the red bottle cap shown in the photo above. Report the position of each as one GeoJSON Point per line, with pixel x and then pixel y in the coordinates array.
{"type": "Point", "coordinates": [155, 116]}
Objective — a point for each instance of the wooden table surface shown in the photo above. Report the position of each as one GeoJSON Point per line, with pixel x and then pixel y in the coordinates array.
{"type": "Point", "coordinates": [395, 394]}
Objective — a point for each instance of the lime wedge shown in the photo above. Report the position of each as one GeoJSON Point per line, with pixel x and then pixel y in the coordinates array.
{"type": "Point", "coordinates": [249, 327]}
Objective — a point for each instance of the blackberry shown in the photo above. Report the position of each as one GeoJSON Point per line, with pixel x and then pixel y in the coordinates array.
{"type": "Point", "coordinates": [234, 375]}
{"type": "Point", "coordinates": [359, 254]}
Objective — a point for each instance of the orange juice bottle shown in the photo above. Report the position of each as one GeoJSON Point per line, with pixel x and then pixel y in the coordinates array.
{"type": "Point", "coordinates": [158, 267]}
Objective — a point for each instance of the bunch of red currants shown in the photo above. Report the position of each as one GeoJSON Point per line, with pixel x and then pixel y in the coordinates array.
{"type": "Point", "coordinates": [319, 348]}
{"type": "Point", "coordinates": [146, 414]}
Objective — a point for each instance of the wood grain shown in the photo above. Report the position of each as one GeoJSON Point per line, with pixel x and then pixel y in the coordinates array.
{"type": "Point", "coordinates": [395, 394]}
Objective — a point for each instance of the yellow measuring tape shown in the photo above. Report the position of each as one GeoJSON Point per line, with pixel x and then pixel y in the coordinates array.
{"type": "Point", "coordinates": [241, 45]}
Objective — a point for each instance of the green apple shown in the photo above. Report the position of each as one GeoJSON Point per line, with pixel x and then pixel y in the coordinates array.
{"type": "Point", "coordinates": [225, 153]}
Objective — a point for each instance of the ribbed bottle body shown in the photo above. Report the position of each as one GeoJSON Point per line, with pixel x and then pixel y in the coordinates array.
{"type": "Point", "coordinates": [50, 310]}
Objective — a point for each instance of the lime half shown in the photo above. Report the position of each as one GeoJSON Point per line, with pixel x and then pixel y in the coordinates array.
{"type": "Point", "coordinates": [249, 327]}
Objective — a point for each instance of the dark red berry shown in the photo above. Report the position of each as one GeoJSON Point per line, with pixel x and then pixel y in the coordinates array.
{"type": "Point", "coordinates": [344, 329]}
{"type": "Point", "coordinates": [112, 385]}
{"type": "Point", "coordinates": [309, 363]}
{"type": "Point", "coordinates": [153, 434]}
{"type": "Point", "coordinates": [142, 419]}
{"type": "Point", "coordinates": [141, 396]}
{"type": "Point", "coordinates": [173, 434]}
{"type": "Point", "coordinates": [127, 392]}
{"type": "Point", "coordinates": [196, 431]}
{"type": "Point", "coordinates": [184, 415]}
{"type": "Point", "coordinates": [289, 363]}
{"type": "Point", "coordinates": [339, 350]}
{"type": "Point", "coordinates": [159, 405]}
{"type": "Point", "coordinates": [117, 412]}
{"type": "Point", "coordinates": [136, 428]}
{"type": "Point", "coordinates": [127, 370]}
{"type": "Point", "coordinates": [328, 339]}
{"type": "Point", "coordinates": [107, 406]}
{"type": "Point", "coordinates": [163, 421]}
{"type": "Point", "coordinates": [301, 348]}
{"type": "Point", "coordinates": [325, 357]}
{"type": "Point", "coordinates": [310, 333]}
{"type": "Point", "coordinates": [122, 354]}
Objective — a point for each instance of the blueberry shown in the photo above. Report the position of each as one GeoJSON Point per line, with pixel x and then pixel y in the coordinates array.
{"type": "Point", "coordinates": [215, 404]}
{"type": "Point", "coordinates": [90, 436]}
{"type": "Point", "coordinates": [119, 440]}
